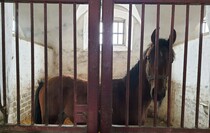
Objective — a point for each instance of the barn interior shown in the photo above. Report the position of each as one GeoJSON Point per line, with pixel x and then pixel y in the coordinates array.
{"type": "Point", "coordinates": [120, 48]}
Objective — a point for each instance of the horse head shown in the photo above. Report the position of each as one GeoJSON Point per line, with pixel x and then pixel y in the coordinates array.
{"type": "Point", "coordinates": [162, 67]}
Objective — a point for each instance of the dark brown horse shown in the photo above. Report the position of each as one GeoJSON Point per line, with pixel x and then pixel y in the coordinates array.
{"type": "Point", "coordinates": [119, 87]}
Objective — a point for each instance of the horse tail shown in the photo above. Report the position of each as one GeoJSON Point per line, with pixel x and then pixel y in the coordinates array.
{"type": "Point", "coordinates": [38, 116]}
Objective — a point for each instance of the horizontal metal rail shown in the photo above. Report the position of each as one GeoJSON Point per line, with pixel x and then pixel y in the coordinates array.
{"type": "Point", "coordinates": [117, 129]}
{"type": "Point", "coordinates": [49, 1]}
{"type": "Point", "coordinates": [192, 2]}
{"type": "Point", "coordinates": [54, 129]}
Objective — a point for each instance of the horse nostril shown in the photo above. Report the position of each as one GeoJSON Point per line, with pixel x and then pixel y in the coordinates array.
{"type": "Point", "coordinates": [160, 95]}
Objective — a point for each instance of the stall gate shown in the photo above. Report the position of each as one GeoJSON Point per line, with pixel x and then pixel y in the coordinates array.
{"type": "Point", "coordinates": [96, 79]}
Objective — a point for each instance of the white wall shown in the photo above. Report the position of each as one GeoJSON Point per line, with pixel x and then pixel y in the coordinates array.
{"type": "Point", "coordinates": [25, 77]}
{"type": "Point", "coordinates": [191, 84]}
{"type": "Point", "coordinates": [25, 68]}
{"type": "Point", "coordinates": [9, 48]}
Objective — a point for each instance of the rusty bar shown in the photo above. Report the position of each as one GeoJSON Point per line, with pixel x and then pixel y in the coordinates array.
{"type": "Point", "coordinates": [162, 1]}
{"type": "Point", "coordinates": [106, 72]}
{"type": "Point", "coordinates": [170, 67]}
{"type": "Point", "coordinates": [141, 66]}
{"type": "Point", "coordinates": [75, 59]}
{"type": "Point", "coordinates": [199, 66]}
{"type": "Point", "coordinates": [93, 64]}
{"type": "Point", "coordinates": [185, 65]}
{"type": "Point", "coordinates": [118, 129]}
{"type": "Point", "coordinates": [51, 1]}
{"type": "Point", "coordinates": [128, 66]}
{"type": "Point", "coordinates": [5, 115]}
{"type": "Point", "coordinates": [41, 129]}
{"type": "Point", "coordinates": [32, 63]}
{"type": "Point", "coordinates": [17, 60]}
{"type": "Point", "coordinates": [46, 121]}
{"type": "Point", "coordinates": [3, 51]}
{"type": "Point", "coordinates": [60, 63]}
{"type": "Point", "coordinates": [156, 64]}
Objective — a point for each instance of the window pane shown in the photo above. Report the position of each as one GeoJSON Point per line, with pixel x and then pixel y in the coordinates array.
{"type": "Point", "coordinates": [120, 39]}
{"type": "Point", "coordinates": [120, 30]}
{"type": "Point", "coordinates": [114, 38]}
{"type": "Point", "coordinates": [115, 27]}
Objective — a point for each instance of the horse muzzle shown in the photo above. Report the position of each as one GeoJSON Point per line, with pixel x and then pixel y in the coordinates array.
{"type": "Point", "coordinates": [160, 95]}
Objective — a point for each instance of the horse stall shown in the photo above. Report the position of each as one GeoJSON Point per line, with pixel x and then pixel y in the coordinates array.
{"type": "Point", "coordinates": [105, 66]}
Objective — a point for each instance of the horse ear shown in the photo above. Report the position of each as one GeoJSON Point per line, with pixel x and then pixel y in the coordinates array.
{"type": "Point", "coordinates": [174, 37]}
{"type": "Point", "coordinates": [153, 36]}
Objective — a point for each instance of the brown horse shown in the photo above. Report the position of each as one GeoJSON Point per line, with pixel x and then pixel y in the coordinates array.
{"type": "Point", "coordinates": [119, 87]}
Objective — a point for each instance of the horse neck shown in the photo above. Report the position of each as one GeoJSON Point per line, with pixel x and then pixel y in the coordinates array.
{"type": "Point", "coordinates": [134, 76]}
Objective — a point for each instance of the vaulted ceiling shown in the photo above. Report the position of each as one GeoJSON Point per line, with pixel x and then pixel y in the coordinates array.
{"type": "Point", "coordinates": [67, 22]}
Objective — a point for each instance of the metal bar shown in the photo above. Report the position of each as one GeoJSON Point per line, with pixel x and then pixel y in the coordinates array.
{"type": "Point", "coordinates": [162, 1]}
{"type": "Point", "coordinates": [51, 1]}
{"type": "Point", "coordinates": [60, 63]}
{"type": "Point", "coordinates": [141, 66]}
{"type": "Point", "coordinates": [3, 53]}
{"type": "Point", "coordinates": [75, 59]}
{"type": "Point", "coordinates": [93, 64]}
{"type": "Point", "coordinates": [17, 60]}
{"type": "Point", "coordinates": [117, 129]}
{"type": "Point", "coordinates": [122, 1]}
{"type": "Point", "coordinates": [128, 66]}
{"type": "Point", "coordinates": [46, 121]}
{"type": "Point", "coordinates": [185, 65]}
{"type": "Point", "coordinates": [156, 64]}
{"type": "Point", "coordinates": [48, 129]}
{"type": "Point", "coordinates": [32, 63]}
{"type": "Point", "coordinates": [170, 66]}
{"type": "Point", "coordinates": [4, 62]}
{"type": "Point", "coordinates": [199, 66]}
{"type": "Point", "coordinates": [106, 72]}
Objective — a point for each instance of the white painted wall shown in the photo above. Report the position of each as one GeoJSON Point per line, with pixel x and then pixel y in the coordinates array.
{"type": "Point", "coordinates": [25, 68]}
{"type": "Point", "coordinates": [25, 77]}
{"type": "Point", "coordinates": [9, 48]}
{"type": "Point", "coordinates": [191, 84]}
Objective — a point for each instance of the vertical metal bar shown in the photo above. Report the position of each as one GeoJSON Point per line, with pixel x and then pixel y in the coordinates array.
{"type": "Point", "coordinates": [32, 63]}
{"type": "Point", "coordinates": [106, 72]}
{"type": "Point", "coordinates": [199, 66]}
{"type": "Point", "coordinates": [185, 65]}
{"type": "Point", "coordinates": [128, 66]}
{"type": "Point", "coordinates": [170, 66]}
{"type": "Point", "coordinates": [4, 61]}
{"type": "Point", "coordinates": [75, 59]}
{"type": "Point", "coordinates": [141, 66]}
{"type": "Point", "coordinates": [17, 60]}
{"type": "Point", "coordinates": [46, 64]}
{"type": "Point", "coordinates": [156, 64]}
{"type": "Point", "coordinates": [93, 64]}
{"type": "Point", "coordinates": [60, 62]}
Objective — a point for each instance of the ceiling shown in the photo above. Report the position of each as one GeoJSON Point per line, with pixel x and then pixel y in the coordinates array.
{"type": "Point", "coordinates": [67, 22]}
